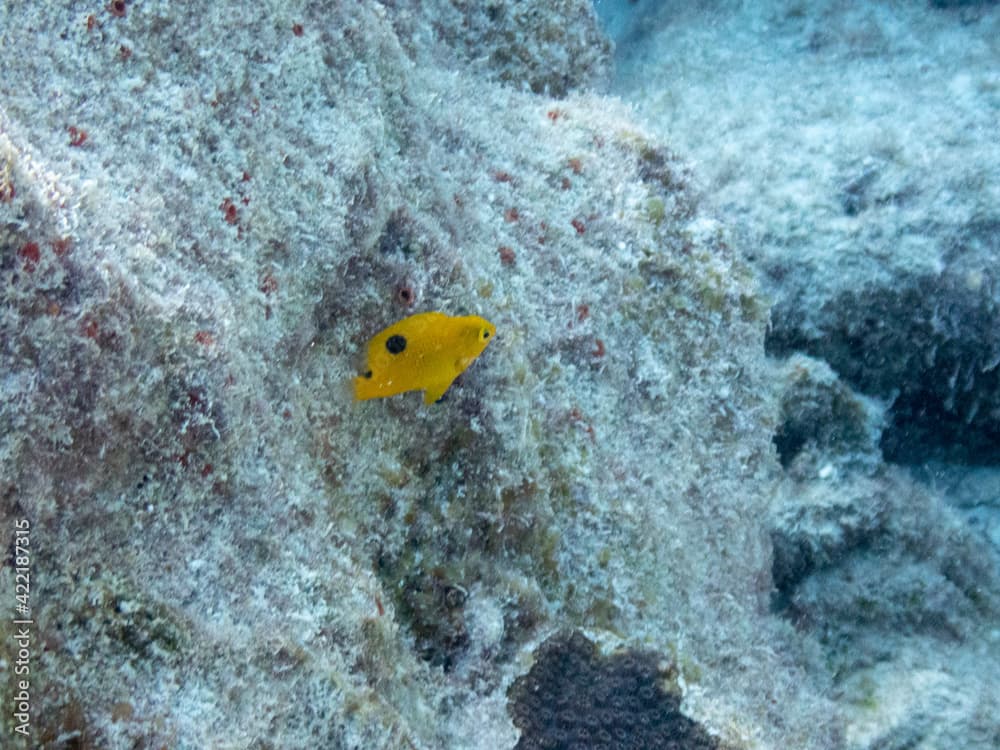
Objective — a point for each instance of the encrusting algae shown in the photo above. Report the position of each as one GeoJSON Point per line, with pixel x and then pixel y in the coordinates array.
{"type": "Point", "coordinates": [424, 352]}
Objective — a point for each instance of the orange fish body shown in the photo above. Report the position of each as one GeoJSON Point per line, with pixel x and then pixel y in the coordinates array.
{"type": "Point", "coordinates": [424, 352]}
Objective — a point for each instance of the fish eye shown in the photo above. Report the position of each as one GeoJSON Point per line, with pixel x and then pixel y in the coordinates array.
{"type": "Point", "coordinates": [486, 334]}
{"type": "Point", "coordinates": [396, 344]}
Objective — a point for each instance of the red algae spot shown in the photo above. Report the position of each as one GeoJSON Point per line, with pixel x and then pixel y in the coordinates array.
{"type": "Point", "coordinates": [89, 328]}
{"type": "Point", "coordinates": [77, 136]}
{"type": "Point", "coordinates": [501, 176]}
{"type": "Point", "coordinates": [598, 351]}
{"type": "Point", "coordinates": [91, 22]}
{"type": "Point", "coordinates": [230, 213]}
{"type": "Point", "coordinates": [566, 184]}
{"type": "Point", "coordinates": [297, 29]}
{"type": "Point", "coordinates": [554, 114]}
{"type": "Point", "coordinates": [405, 294]}
{"type": "Point", "coordinates": [507, 255]}
{"type": "Point", "coordinates": [576, 417]}
{"type": "Point", "coordinates": [31, 254]}
{"type": "Point", "coordinates": [124, 53]}
{"type": "Point", "coordinates": [204, 338]}
{"type": "Point", "coordinates": [511, 215]}
{"type": "Point", "coordinates": [578, 226]}
{"type": "Point", "coordinates": [117, 8]}
{"type": "Point", "coordinates": [543, 228]}
{"type": "Point", "coordinates": [576, 165]}
{"type": "Point", "coordinates": [61, 246]}
{"type": "Point", "coordinates": [582, 311]}
{"type": "Point", "coordinates": [268, 284]}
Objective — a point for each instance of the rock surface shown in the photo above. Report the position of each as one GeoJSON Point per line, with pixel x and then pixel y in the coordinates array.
{"type": "Point", "coordinates": [852, 149]}
{"type": "Point", "coordinates": [855, 147]}
{"type": "Point", "coordinates": [204, 216]}
{"type": "Point", "coordinates": [210, 214]}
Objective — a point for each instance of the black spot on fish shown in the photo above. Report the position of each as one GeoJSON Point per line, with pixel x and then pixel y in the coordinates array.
{"type": "Point", "coordinates": [367, 374]}
{"type": "Point", "coordinates": [395, 344]}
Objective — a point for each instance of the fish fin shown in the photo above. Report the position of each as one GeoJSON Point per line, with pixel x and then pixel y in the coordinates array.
{"type": "Point", "coordinates": [359, 388]}
{"type": "Point", "coordinates": [347, 391]}
{"type": "Point", "coordinates": [434, 392]}
{"type": "Point", "coordinates": [364, 388]}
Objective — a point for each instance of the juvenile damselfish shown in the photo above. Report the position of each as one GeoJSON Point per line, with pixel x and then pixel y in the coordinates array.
{"type": "Point", "coordinates": [424, 352]}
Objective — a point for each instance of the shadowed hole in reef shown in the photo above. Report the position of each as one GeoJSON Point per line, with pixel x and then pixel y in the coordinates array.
{"type": "Point", "coordinates": [923, 428]}
{"type": "Point", "coordinates": [929, 348]}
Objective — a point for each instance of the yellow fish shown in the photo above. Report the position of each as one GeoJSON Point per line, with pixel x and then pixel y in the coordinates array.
{"type": "Point", "coordinates": [424, 352]}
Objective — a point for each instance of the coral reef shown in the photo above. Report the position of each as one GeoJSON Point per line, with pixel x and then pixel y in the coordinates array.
{"type": "Point", "coordinates": [575, 697]}
{"type": "Point", "coordinates": [873, 222]}
{"type": "Point", "coordinates": [823, 422]}
{"type": "Point", "coordinates": [850, 149]}
{"type": "Point", "coordinates": [897, 592]}
{"type": "Point", "coordinates": [924, 341]}
{"type": "Point", "coordinates": [206, 213]}
{"type": "Point", "coordinates": [227, 549]}
{"type": "Point", "coordinates": [545, 46]}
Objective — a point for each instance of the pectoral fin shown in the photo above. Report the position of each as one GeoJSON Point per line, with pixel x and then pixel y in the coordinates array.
{"type": "Point", "coordinates": [435, 391]}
